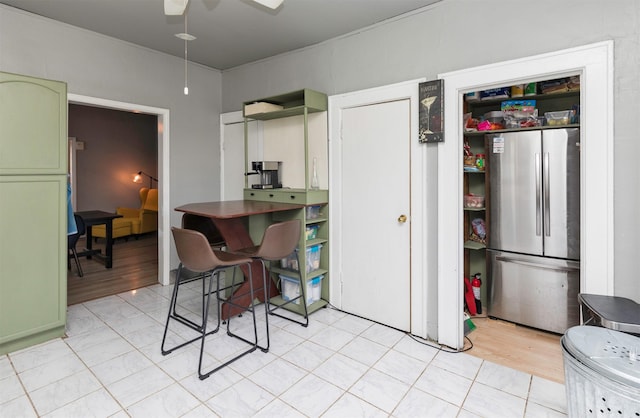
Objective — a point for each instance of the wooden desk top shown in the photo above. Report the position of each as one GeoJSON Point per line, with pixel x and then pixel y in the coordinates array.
{"type": "Point", "coordinates": [97, 216]}
{"type": "Point", "coordinates": [235, 208]}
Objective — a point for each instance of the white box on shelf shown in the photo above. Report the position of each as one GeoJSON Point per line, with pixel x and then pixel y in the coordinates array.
{"type": "Point", "coordinates": [260, 107]}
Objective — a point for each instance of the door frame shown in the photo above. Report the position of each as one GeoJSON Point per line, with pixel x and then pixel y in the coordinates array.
{"type": "Point", "coordinates": [164, 243]}
{"type": "Point", "coordinates": [418, 221]}
{"type": "Point", "coordinates": [594, 63]}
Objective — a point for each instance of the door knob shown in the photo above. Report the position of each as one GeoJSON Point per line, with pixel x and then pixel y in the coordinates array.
{"type": "Point", "coordinates": [402, 219]}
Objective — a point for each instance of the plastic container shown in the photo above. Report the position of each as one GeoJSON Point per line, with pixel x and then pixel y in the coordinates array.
{"type": "Point", "coordinates": [473, 201]}
{"type": "Point", "coordinates": [311, 232]}
{"type": "Point", "coordinates": [602, 372]}
{"type": "Point", "coordinates": [313, 257]}
{"type": "Point", "coordinates": [290, 289]}
{"type": "Point", "coordinates": [290, 262]}
{"type": "Point", "coordinates": [313, 254]}
{"type": "Point", "coordinates": [313, 212]}
{"type": "Point", "coordinates": [562, 117]}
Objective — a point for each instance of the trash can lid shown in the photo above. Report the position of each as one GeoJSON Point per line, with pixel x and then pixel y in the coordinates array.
{"type": "Point", "coordinates": [613, 354]}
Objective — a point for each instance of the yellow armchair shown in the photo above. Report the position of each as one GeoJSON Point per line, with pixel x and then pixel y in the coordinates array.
{"type": "Point", "coordinates": [134, 221]}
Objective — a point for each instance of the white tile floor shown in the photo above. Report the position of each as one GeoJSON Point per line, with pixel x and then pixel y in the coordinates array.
{"type": "Point", "coordinates": [110, 365]}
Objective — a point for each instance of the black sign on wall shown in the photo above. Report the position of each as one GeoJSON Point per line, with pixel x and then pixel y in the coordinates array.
{"type": "Point", "coordinates": [431, 114]}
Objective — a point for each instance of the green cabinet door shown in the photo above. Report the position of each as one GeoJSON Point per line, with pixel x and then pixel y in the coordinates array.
{"type": "Point", "coordinates": [33, 275]}
{"type": "Point", "coordinates": [33, 120]}
{"type": "Point", "coordinates": [33, 210]}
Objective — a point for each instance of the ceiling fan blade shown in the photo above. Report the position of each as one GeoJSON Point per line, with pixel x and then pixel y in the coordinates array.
{"type": "Point", "coordinates": [175, 7]}
{"type": "Point", "coordinates": [271, 4]}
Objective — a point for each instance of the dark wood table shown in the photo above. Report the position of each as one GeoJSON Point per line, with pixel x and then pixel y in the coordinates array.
{"type": "Point", "coordinates": [98, 217]}
{"type": "Point", "coordinates": [229, 217]}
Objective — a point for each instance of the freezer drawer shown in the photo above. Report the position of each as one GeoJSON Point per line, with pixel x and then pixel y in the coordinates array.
{"type": "Point", "coordinates": [535, 291]}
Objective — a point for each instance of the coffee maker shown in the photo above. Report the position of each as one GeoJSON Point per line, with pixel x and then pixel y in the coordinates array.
{"type": "Point", "coordinates": [270, 174]}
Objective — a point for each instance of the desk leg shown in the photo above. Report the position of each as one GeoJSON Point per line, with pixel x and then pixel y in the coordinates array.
{"type": "Point", "coordinates": [89, 243]}
{"type": "Point", "coordinates": [236, 237]}
{"type": "Point", "coordinates": [109, 246]}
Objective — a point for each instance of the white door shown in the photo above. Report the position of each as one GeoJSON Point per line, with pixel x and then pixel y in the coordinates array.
{"type": "Point", "coordinates": [375, 218]}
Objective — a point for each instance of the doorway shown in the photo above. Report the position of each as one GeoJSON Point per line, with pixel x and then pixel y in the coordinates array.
{"type": "Point", "coordinates": [164, 244]}
{"type": "Point", "coordinates": [594, 64]}
{"type": "Point", "coordinates": [366, 257]}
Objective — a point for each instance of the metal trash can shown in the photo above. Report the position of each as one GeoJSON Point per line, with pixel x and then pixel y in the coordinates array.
{"type": "Point", "coordinates": [602, 372]}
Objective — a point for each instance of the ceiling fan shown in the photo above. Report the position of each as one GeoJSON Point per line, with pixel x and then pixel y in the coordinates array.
{"type": "Point", "coordinates": [177, 7]}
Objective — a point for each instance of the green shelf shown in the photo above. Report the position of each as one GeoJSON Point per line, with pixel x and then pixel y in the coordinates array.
{"type": "Point", "coordinates": [294, 104]}
{"type": "Point", "coordinates": [316, 241]}
{"type": "Point", "coordinates": [473, 245]}
{"type": "Point", "coordinates": [533, 128]}
{"type": "Point", "coordinates": [537, 97]}
{"type": "Point", "coordinates": [297, 308]}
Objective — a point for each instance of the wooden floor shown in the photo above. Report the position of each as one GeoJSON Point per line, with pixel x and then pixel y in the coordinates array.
{"type": "Point", "coordinates": [135, 265]}
{"type": "Point", "coordinates": [526, 349]}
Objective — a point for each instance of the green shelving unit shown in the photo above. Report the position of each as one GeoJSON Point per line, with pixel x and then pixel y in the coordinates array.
{"type": "Point", "coordinates": [301, 102]}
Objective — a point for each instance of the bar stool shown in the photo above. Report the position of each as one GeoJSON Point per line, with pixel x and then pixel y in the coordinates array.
{"type": "Point", "coordinates": [279, 241]}
{"type": "Point", "coordinates": [196, 254]}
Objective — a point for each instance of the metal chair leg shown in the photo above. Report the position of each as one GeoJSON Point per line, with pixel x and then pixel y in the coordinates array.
{"type": "Point", "coordinates": [173, 314]}
{"type": "Point", "coordinates": [253, 344]}
{"type": "Point", "coordinates": [79, 267]}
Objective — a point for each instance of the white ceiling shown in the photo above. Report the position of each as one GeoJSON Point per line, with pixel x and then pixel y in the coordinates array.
{"type": "Point", "coordinates": [229, 32]}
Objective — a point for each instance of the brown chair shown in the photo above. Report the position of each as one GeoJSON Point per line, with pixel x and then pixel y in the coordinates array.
{"type": "Point", "coordinates": [196, 255]}
{"type": "Point", "coordinates": [279, 241]}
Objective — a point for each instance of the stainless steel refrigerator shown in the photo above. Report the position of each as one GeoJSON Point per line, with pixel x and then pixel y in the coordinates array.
{"type": "Point", "coordinates": [534, 227]}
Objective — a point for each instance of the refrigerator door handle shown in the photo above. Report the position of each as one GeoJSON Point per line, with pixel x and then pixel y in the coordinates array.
{"type": "Point", "coordinates": [571, 265]}
{"type": "Point", "coordinates": [546, 187]}
{"type": "Point", "coordinates": [538, 196]}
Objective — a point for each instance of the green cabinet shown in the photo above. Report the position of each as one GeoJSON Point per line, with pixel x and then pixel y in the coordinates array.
{"type": "Point", "coordinates": [313, 243]}
{"type": "Point", "coordinates": [33, 211]}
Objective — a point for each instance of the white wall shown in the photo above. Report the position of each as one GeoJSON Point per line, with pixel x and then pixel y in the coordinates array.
{"type": "Point", "coordinates": [98, 66]}
{"type": "Point", "coordinates": [458, 34]}
{"type": "Point", "coordinates": [451, 35]}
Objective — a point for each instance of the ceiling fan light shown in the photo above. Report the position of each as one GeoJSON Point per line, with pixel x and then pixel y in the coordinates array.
{"type": "Point", "coordinates": [271, 4]}
{"type": "Point", "coordinates": [175, 7]}
{"type": "Point", "coordinates": [186, 36]}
